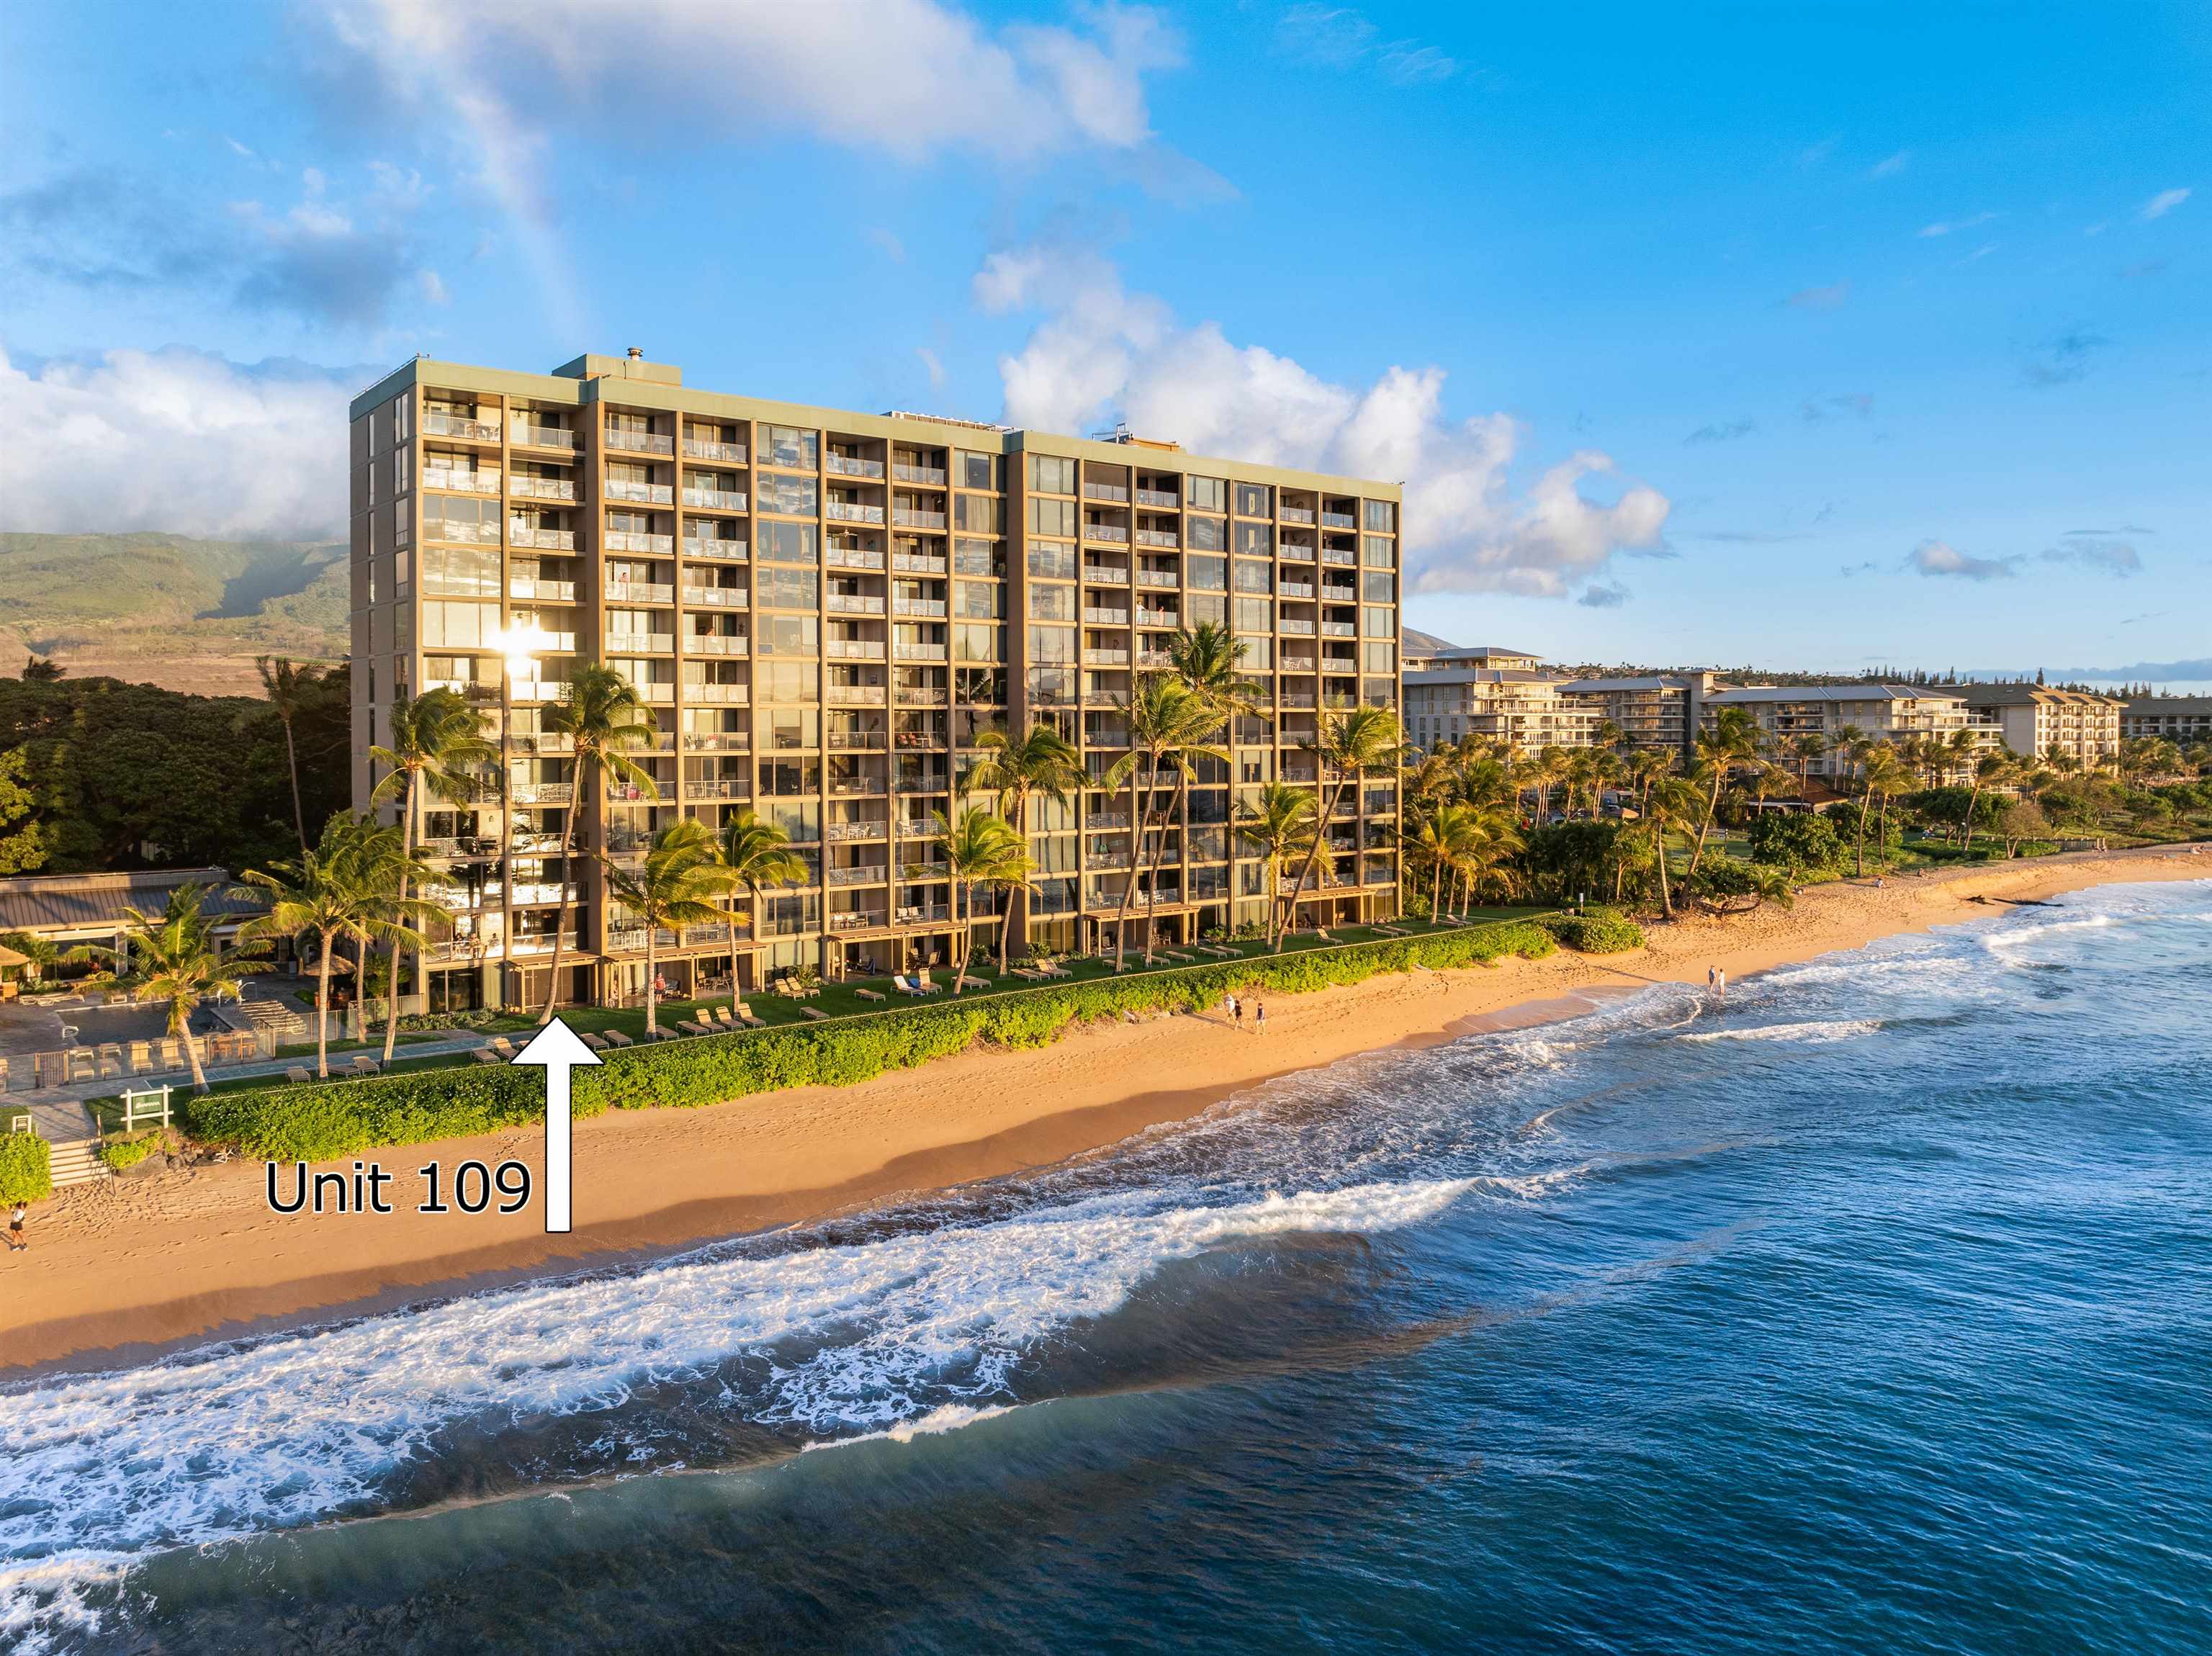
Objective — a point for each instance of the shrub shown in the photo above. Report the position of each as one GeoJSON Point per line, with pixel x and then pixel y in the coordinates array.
{"type": "Point", "coordinates": [1597, 932]}
{"type": "Point", "coordinates": [323, 1120]}
{"type": "Point", "coordinates": [1798, 842]}
{"type": "Point", "coordinates": [25, 1167]}
{"type": "Point", "coordinates": [122, 1153]}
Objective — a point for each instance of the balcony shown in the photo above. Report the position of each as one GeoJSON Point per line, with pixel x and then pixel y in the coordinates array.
{"type": "Point", "coordinates": [1294, 629]}
{"type": "Point", "coordinates": [1161, 618]}
{"type": "Point", "coordinates": [717, 644]}
{"type": "Point", "coordinates": [1292, 552]}
{"type": "Point", "coordinates": [867, 874]}
{"type": "Point", "coordinates": [541, 591]}
{"type": "Point", "coordinates": [852, 512]}
{"type": "Point", "coordinates": [922, 913]}
{"type": "Point", "coordinates": [854, 695]}
{"type": "Point", "coordinates": [1105, 658]}
{"type": "Point", "coordinates": [632, 540]}
{"type": "Point", "coordinates": [640, 643]}
{"type": "Point", "coordinates": [640, 493]}
{"type": "Point", "coordinates": [453, 425]}
{"type": "Point", "coordinates": [853, 649]}
{"type": "Point", "coordinates": [1155, 658]}
{"type": "Point", "coordinates": [731, 551]}
{"type": "Point", "coordinates": [541, 488]}
{"type": "Point", "coordinates": [640, 442]}
{"type": "Point", "coordinates": [1099, 574]}
{"type": "Point", "coordinates": [1296, 514]}
{"type": "Point", "coordinates": [633, 936]}
{"type": "Point", "coordinates": [1165, 537]}
{"type": "Point", "coordinates": [709, 692]}
{"type": "Point", "coordinates": [838, 833]}
{"type": "Point", "coordinates": [853, 603]}
{"type": "Point", "coordinates": [539, 944]}
{"type": "Point", "coordinates": [544, 793]}
{"type": "Point", "coordinates": [698, 936]}
{"type": "Point", "coordinates": [1338, 520]}
{"type": "Point", "coordinates": [859, 919]}
{"type": "Point", "coordinates": [1294, 589]}
{"type": "Point", "coordinates": [461, 482]}
{"type": "Point", "coordinates": [852, 557]}
{"type": "Point", "coordinates": [1112, 534]}
{"type": "Point", "coordinates": [1159, 499]}
{"type": "Point", "coordinates": [543, 540]}
{"type": "Point", "coordinates": [1167, 578]}
{"type": "Point", "coordinates": [558, 437]}
{"type": "Point", "coordinates": [1298, 665]}
{"type": "Point", "coordinates": [714, 787]}
{"type": "Point", "coordinates": [698, 448]}
{"type": "Point", "coordinates": [921, 695]}
{"type": "Point", "coordinates": [922, 652]}
{"type": "Point", "coordinates": [1342, 557]}
{"type": "Point", "coordinates": [1106, 492]}
{"type": "Point", "coordinates": [908, 517]}
{"type": "Point", "coordinates": [928, 477]}
{"type": "Point", "coordinates": [1105, 617]}
{"type": "Point", "coordinates": [629, 592]}
{"type": "Point", "coordinates": [715, 499]}
{"type": "Point", "coordinates": [856, 786]}
{"type": "Point", "coordinates": [916, 563]}
{"type": "Point", "coordinates": [851, 465]}
{"type": "Point", "coordinates": [921, 608]}
{"type": "Point", "coordinates": [718, 597]}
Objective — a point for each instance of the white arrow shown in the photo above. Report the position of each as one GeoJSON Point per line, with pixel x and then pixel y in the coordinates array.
{"type": "Point", "coordinates": [556, 1048]}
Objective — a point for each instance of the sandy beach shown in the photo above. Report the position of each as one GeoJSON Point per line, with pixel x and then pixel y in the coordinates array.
{"type": "Point", "coordinates": [121, 1268]}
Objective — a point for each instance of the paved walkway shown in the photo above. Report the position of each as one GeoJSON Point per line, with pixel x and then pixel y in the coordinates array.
{"type": "Point", "coordinates": [59, 1117]}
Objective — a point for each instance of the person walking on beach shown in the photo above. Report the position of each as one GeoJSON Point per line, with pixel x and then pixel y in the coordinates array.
{"type": "Point", "coordinates": [1237, 1012]}
{"type": "Point", "coordinates": [1259, 1017]}
{"type": "Point", "coordinates": [15, 1243]}
{"type": "Point", "coordinates": [1716, 980]}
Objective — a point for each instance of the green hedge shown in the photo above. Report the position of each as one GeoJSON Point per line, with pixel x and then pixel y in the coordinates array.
{"type": "Point", "coordinates": [1598, 932]}
{"type": "Point", "coordinates": [121, 1153]}
{"type": "Point", "coordinates": [25, 1167]}
{"type": "Point", "coordinates": [320, 1121]}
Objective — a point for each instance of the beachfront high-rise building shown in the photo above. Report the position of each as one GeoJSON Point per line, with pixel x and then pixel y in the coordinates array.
{"type": "Point", "coordinates": [824, 611]}
{"type": "Point", "coordinates": [2035, 721]}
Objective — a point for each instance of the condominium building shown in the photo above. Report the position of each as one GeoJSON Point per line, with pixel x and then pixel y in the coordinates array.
{"type": "Point", "coordinates": [1663, 710]}
{"type": "Point", "coordinates": [1827, 713]}
{"type": "Point", "coordinates": [2184, 720]}
{"type": "Point", "coordinates": [2032, 720]}
{"type": "Point", "coordinates": [826, 612]}
{"type": "Point", "coordinates": [1524, 709]}
{"type": "Point", "coordinates": [1425, 650]}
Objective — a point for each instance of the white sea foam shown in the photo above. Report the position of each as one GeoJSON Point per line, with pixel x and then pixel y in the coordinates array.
{"type": "Point", "coordinates": [1814, 1032]}
{"type": "Point", "coordinates": [97, 1471]}
{"type": "Point", "coordinates": [946, 1417]}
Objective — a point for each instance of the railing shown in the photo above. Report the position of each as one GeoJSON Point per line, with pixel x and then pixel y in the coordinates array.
{"type": "Point", "coordinates": [854, 695]}
{"type": "Point", "coordinates": [1330, 594]}
{"type": "Point", "coordinates": [642, 494]}
{"type": "Point", "coordinates": [1294, 589]}
{"type": "Point", "coordinates": [1339, 629]}
{"type": "Point", "coordinates": [1099, 574]}
{"type": "Point", "coordinates": [1105, 617]}
{"type": "Point", "coordinates": [1295, 628]}
{"type": "Point", "coordinates": [907, 517]}
{"type": "Point", "coordinates": [706, 691]}
{"type": "Point", "coordinates": [717, 644]}
{"type": "Point", "coordinates": [640, 442]}
{"type": "Point", "coordinates": [633, 936]}
{"type": "Point", "coordinates": [921, 695]}
{"type": "Point", "coordinates": [852, 557]}
{"type": "Point", "coordinates": [1155, 658]}
{"type": "Point", "coordinates": [853, 603]}
{"type": "Point", "coordinates": [1296, 514]}
{"type": "Point", "coordinates": [1107, 820]}
{"type": "Point", "coordinates": [1164, 618]}
{"type": "Point", "coordinates": [1343, 557]}
{"type": "Point", "coordinates": [716, 499]}
{"type": "Point", "coordinates": [632, 540]}
{"type": "Point", "coordinates": [852, 512]}
{"type": "Point", "coordinates": [932, 477]}
{"type": "Point", "coordinates": [1109, 532]}
{"type": "Point", "coordinates": [729, 551]}
{"type": "Point", "coordinates": [1160, 498]}
{"type": "Point", "coordinates": [543, 540]}
{"type": "Point", "coordinates": [1158, 538]}
{"type": "Point", "coordinates": [1292, 552]}
{"type": "Point", "coordinates": [1105, 658]}
{"type": "Point", "coordinates": [870, 874]}
{"type": "Point", "coordinates": [544, 793]}
{"type": "Point", "coordinates": [853, 649]}
{"type": "Point", "coordinates": [541, 945]}
{"type": "Point", "coordinates": [635, 591]}
{"type": "Point", "coordinates": [541, 488]}
{"type": "Point", "coordinates": [923, 609]}
{"type": "Point", "coordinates": [718, 597]}
{"type": "Point", "coordinates": [451, 425]}
{"type": "Point", "coordinates": [715, 932]}
{"type": "Point", "coordinates": [543, 892]}
{"type": "Point", "coordinates": [922, 913]}
{"type": "Point", "coordinates": [545, 592]}
{"type": "Point", "coordinates": [698, 448]}
{"type": "Point", "coordinates": [459, 532]}
{"type": "Point", "coordinates": [1291, 698]}
{"type": "Point", "coordinates": [1158, 578]}
{"type": "Point", "coordinates": [856, 920]}
{"type": "Point", "coordinates": [1105, 491]}
{"type": "Point", "coordinates": [716, 741]}
{"type": "Point", "coordinates": [462, 482]}
{"type": "Point", "coordinates": [916, 563]}
{"type": "Point", "coordinates": [922, 652]}
{"type": "Point", "coordinates": [851, 465]}
{"type": "Point", "coordinates": [1338, 520]}
{"type": "Point", "coordinates": [545, 437]}
{"type": "Point", "coordinates": [845, 833]}
{"type": "Point", "coordinates": [715, 787]}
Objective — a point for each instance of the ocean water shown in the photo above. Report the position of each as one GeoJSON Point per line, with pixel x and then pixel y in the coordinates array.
{"type": "Point", "coordinates": [1869, 1311]}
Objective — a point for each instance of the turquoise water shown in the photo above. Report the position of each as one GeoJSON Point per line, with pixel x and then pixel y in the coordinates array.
{"type": "Point", "coordinates": [1871, 1311]}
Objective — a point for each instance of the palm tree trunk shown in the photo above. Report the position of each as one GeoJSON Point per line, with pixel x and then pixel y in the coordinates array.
{"type": "Point", "coordinates": [292, 764]}
{"type": "Point", "coordinates": [192, 1053]}
{"type": "Point", "coordinates": [322, 1011]}
{"type": "Point", "coordinates": [652, 977]}
{"type": "Point", "coordinates": [1129, 884]}
{"type": "Point", "coordinates": [1659, 843]}
{"type": "Point", "coordinates": [960, 965]}
{"type": "Point", "coordinates": [392, 988]}
{"type": "Point", "coordinates": [1712, 809]}
{"type": "Point", "coordinates": [1435, 888]}
{"type": "Point", "coordinates": [561, 918]}
{"type": "Point", "coordinates": [1973, 799]}
{"type": "Point", "coordinates": [1305, 871]}
{"type": "Point", "coordinates": [1159, 860]}
{"type": "Point", "coordinates": [1865, 799]}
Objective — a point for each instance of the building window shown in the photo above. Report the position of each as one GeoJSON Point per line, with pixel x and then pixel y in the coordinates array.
{"type": "Point", "coordinates": [1206, 534]}
{"type": "Point", "coordinates": [787, 543]}
{"type": "Point", "coordinates": [980, 558]}
{"type": "Point", "coordinates": [1050, 475]}
{"type": "Point", "coordinates": [1206, 493]}
{"type": "Point", "coordinates": [787, 446]}
{"type": "Point", "coordinates": [1379, 586]}
{"type": "Point", "coordinates": [1052, 603]}
{"type": "Point", "coordinates": [1255, 577]}
{"type": "Point", "coordinates": [973, 470]}
{"type": "Point", "coordinates": [1052, 560]}
{"type": "Point", "coordinates": [1254, 615]}
{"type": "Point", "coordinates": [979, 600]}
{"type": "Point", "coordinates": [787, 635]}
{"type": "Point", "coordinates": [1207, 574]}
{"type": "Point", "coordinates": [1378, 657]}
{"type": "Point", "coordinates": [978, 514]}
{"type": "Point", "coordinates": [1051, 646]}
{"type": "Point", "coordinates": [795, 497]}
{"type": "Point", "coordinates": [974, 643]}
{"type": "Point", "coordinates": [1255, 500]}
{"type": "Point", "coordinates": [787, 589]}
{"type": "Point", "coordinates": [1255, 540]}
{"type": "Point", "coordinates": [1052, 518]}
{"type": "Point", "coordinates": [1379, 623]}
{"type": "Point", "coordinates": [1381, 515]}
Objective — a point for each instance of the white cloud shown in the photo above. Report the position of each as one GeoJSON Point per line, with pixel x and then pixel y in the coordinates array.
{"type": "Point", "coordinates": [1890, 166]}
{"type": "Point", "coordinates": [1337, 37]}
{"type": "Point", "coordinates": [1100, 348]}
{"type": "Point", "coordinates": [1940, 558]}
{"type": "Point", "coordinates": [1946, 228]}
{"type": "Point", "coordinates": [176, 440]}
{"type": "Point", "coordinates": [933, 366]}
{"type": "Point", "coordinates": [2162, 203]}
{"type": "Point", "coordinates": [327, 258]}
{"type": "Point", "coordinates": [1820, 298]}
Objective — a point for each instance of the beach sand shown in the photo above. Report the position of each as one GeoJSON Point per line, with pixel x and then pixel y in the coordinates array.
{"type": "Point", "coordinates": [120, 1269]}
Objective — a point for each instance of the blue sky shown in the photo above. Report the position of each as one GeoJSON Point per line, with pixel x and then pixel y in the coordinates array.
{"type": "Point", "coordinates": [1823, 334]}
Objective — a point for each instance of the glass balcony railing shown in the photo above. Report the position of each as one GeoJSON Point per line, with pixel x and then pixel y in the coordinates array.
{"type": "Point", "coordinates": [640, 442]}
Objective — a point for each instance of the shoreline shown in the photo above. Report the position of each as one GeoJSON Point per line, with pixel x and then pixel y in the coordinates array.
{"type": "Point", "coordinates": [122, 1270]}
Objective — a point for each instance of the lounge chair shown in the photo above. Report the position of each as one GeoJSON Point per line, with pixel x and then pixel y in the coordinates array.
{"type": "Point", "coordinates": [617, 1038]}
{"type": "Point", "coordinates": [969, 982]}
{"type": "Point", "coordinates": [502, 1046]}
{"type": "Point", "coordinates": [365, 1065]}
{"type": "Point", "coordinates": [718, 1016]}
{"type": "Point", "coordinates": [298, 1074]}
{"type": "Point", "coordinates": [662, 1034]}
{"type": "Point", "coordinates": [484, 1055]}
{"type": "Point", "coordinates": [691, 1027]}
{"type": "Point", "coordinates": [596, 1043]}
{"type": "Point", "coordinates": [869, 994]}
{"type": "Point", "coordinates": [815, 1012]}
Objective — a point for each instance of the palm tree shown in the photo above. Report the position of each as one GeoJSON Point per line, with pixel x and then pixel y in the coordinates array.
{"type": "Point", "coordinates": [1731, 744]}
{"type": "Point", "coordinates": [1014, 874]}
{"type": "Point", "coordinates": [604, 717]}
{"type": "Point", "coordinates": [176, 960]}
{"type": "Point", "coordinates": [1491, 838]}
{"type": "Point", "coordinates": [977, 846]}
{"type": "Point", "coordinates": [1672, 802]}
{"type": "Point", "coordinates": [1439, 836]}
{"type": "Point", "coordinates": [753, 854]}
{"type": "Point", "coordinates": [330, 892]}
{"type": "Point", "coordinates": [287, 684]}
{"type": "Point", "coordinates": [1352, 743]}
{"type": "Point", "coordinates": [388, 873]}
{"type": "Point", "coordinates": [678, 885]}
{"type": "Point", "coordinates": [1886, 774]}
{"type": "Point", "coordinates": [1805, 749]}
{"type": "Point", "coordinates": [436, 738]}
{"type": "Point", "coordinates": [1044, 763]}
{"type": "Point", "coordinates": [1993, 769]}
{"type": "Point", "coordinates": [1277, 823]}
{"type": "Point", "coordinates": [1167, 721]}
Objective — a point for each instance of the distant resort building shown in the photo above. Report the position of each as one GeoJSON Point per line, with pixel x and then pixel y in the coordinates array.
{"type": "Point", "coordinates": [2032, 720]}
{"type": "Point", "coordinates": [1433, 653]}
{"type": "Point", "coordinates": [1881, 712]}
{"type": "Point", "coordinates": [2180, 719]}
{"type": "Point", "coordinates": [1519, 706]}
{"type": "Point", "coordinates": [1660, 710]}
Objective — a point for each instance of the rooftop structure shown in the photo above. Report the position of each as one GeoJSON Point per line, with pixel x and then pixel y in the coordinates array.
{"type": "Point", "coordinates": [824, 611]}
{"type": "Point", "coordinates": [1521, 708]}
{"type": "Point", "coordinates": [2183, 719]}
